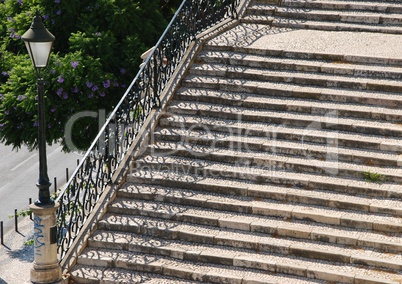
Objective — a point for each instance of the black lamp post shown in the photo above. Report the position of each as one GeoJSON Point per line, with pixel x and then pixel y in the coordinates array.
{"type": "Point", "coordinates": [38, 41]}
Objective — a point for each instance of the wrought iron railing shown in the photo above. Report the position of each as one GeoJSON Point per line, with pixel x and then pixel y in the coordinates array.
{"type": "Point", "coordinates": [113, 142]}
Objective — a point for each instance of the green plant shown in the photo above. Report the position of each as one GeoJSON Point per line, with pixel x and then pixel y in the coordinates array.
{"type": "Point", "coordinates": [373, 177]}
{"type": "Point", "coordinates": [22, 213]}
{"type": "Point", "coordinates": [95, 56]}
{"type": "Point", "coordinates": [29, 242]}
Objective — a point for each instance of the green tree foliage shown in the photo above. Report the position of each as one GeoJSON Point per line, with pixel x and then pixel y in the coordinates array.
{"type": "Point", "coordinates": [95, 56]}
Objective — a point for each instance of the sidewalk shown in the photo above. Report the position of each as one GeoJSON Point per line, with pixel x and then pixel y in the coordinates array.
{"type": "Point", "coordinates": [16, 259]}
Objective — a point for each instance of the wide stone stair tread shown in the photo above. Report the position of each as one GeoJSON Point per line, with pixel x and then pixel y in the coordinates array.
{"type": "Point", "coordinates": [276, 225]}
{"type": "Point", "coordinates": [392, 100]}
{"type": "Point", "coordinates": [343, 6]}
{"type": "Point", "coordinates": [252, 194]}
{"type": "Point", "coordinates": [330, 66]}
{"type": "Point", "coordinates": [201, 139]}
{"type": "Point", "coordinates": [285, 22]}
{"type": "Point", "coordinates": [385, 6]}
{"type": "Point", "coordinates": [321, 25]}
{"type": "Point", "coordinates": [229, 244]}
{"type": "Point", "coordinates": [371, 60]}
{"type": "Point", "coordinates": [277, 161]}
{"type": "Point", "coordinates": [351, 15]}
{"type": "Point", "coordinates": [325, 80]}
{"type": "Point", "coordinates": [315, 213]}
{"type": "Point", "coordinates": [291, 86]}
{"type": "Point", "coordinates": [92, 274]}
{"type": "Point", "coordinates": [290, 104]}
{"type": "Point", "coordinates": [287, 118]}
{"type": "Point", "coordinates": [339, 15]}
{"type": "Point", "coordinates": [283, 131]}
{"type": "Point", "coordinates": [206, 273]}
{"type": "Point", "coordinates": [261, 177]}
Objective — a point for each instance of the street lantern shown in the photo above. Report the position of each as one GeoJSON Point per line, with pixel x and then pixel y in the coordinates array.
{"type": "Point", "coordinates": [46, 269]}
{"type": "Point", "coordinates": [38, 41]}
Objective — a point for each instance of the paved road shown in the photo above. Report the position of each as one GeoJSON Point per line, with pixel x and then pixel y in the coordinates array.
{"type": "Point", "coordinates": [19, 171]}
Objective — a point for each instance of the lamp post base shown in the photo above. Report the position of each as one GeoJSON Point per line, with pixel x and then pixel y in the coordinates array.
{"type": "Point", "coordinates": [46, 267]}
{"type": "Point", "coordinates": [50, 273]}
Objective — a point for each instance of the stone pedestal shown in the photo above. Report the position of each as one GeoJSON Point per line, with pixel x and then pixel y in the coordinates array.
{"type": "Point", "coordinates": [46, 267]}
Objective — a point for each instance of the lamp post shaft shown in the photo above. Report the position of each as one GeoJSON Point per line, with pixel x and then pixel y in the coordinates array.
{"type": "Point", "coordinates": [43, 182]}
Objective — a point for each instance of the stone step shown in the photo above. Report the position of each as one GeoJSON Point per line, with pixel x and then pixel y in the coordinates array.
{"type": "Point", "coordinates": [93, 274]}
{"type": "Point", "coordinates": [289, 104]}
{"type": "Point", "coordinates": [316, 135]}
{"type": "Point", "coordinates": [153, 169]}
{"type": "Point", "coordinates": [241, 272]}
{"type": "Point", "coordinates": [244, 73]}
{"type": "Point", "coordinates": [249, 212]}
{"type": "Point", "coordinates": [282, 22]}
{"type": "Point", "coordinates": [271, 144]}
{"type": "Point", "coordinates": [339, 58]}
{"type": "Point", "coordinates": [277, 225]}
{"type": "Point", "coordinates": [386, 7]}
{"type": "Point", "coordinates": [289, 23]}
{"type": "Point", "coordinates": [178, 175]}
{"type": "Point", "coordinates": [290, 90]}
{"type": "Point", "coordinates": [225, 243]}
{"type": "Point", "coordinates": [330, 121]}
{"type": "Point", "coordinates": [305, 65]}
{"type": "Point", "coordinates": [341, 12]}
{"type": "Point", "coordinates": [329, 164]}
{"type": "Point", "coordinates": [339, 16]}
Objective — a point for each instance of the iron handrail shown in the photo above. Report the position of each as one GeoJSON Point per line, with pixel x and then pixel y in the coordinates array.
{"type": "Point", "coordinates": [95, 171]}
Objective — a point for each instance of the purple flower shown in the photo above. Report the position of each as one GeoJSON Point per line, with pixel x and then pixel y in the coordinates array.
{"type": "Point", "coordinates": [57, 1]}
{"type": "Point", "coordinates": [102, 94]}
{"type": "Point", "coordinates": [60, 79]}
{"type": "Point", "coordinates": [35, 124]}
{"type": "Point", "coordinates": [123, 71]}
{"type": "Point", "coordinates": [90, 95]}
{"type": "Point", "coordinates": [21, 97]}
{"type": "Point", "coordinates": [4, 73]}
{"type": "Point", "coordinates": [74, 64]}
{"type": "Point", "coordinates": [59, 91]}
{"type": "Point", "coordinates": [1, 125]}
{"type": "Point", "coordinates": [116, 84]}
{"type": "Point", "coordinates": [49, 126]}
{"type": "Point", "coordinates": [106, 84]}
{"type": "Point", "coordinates": [53, 109]}
{"type": "Point", "coordinates": [7, 112]}
{"type": "Point", "coordinates": [58, 12]}
{"type": "Point", "coordinates": [45, 17]}
{"type": "Point", "coordinates": [75, 90]}
{"type": "Point", "coordinates": [89, 84]}
{"type": "Point", "coordinates": [52, 71]}
{"type": "Point", "coordinates": [94, 88]}
{"type": "Point", "coordinates": [65, 96]}
{"type": "Point", "coordinates": [20, 2]}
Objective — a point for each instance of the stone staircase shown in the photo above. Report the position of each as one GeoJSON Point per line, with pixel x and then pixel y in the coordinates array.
{"type": "Point", "coordinates": [336, 15]}
{"type": "Point", "coordinates": [269, 166]}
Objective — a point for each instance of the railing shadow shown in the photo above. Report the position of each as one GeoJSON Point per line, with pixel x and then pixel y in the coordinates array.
{"type": "Point", "coordinates": [111, 146]}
